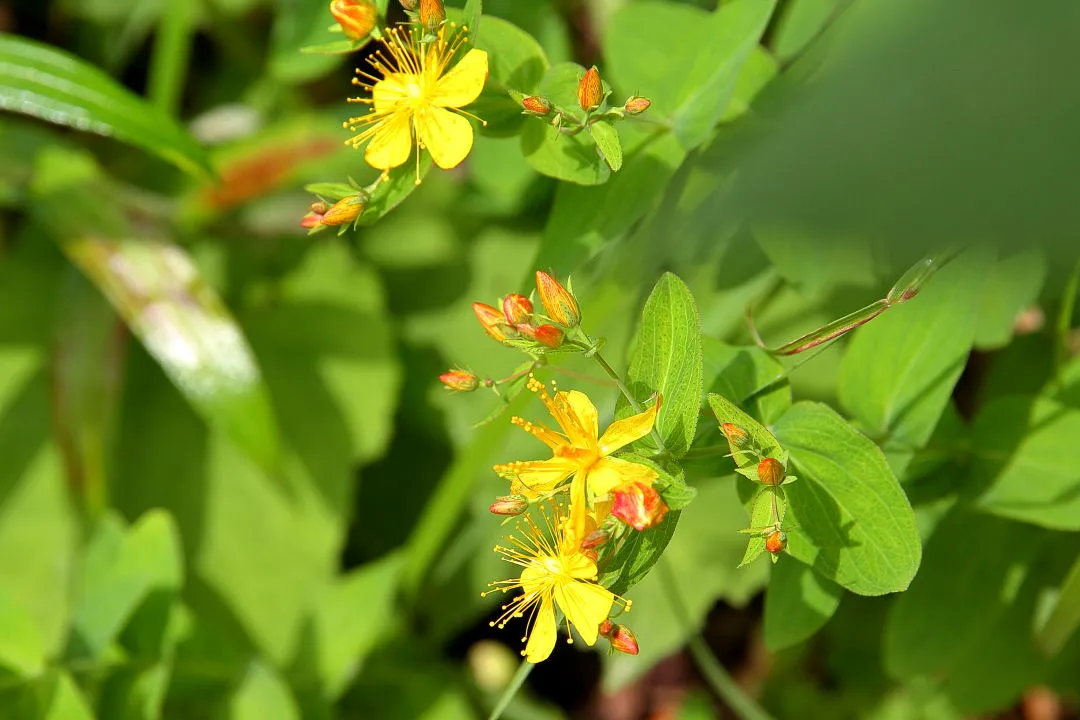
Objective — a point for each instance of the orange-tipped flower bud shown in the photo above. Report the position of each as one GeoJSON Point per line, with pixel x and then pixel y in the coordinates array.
{"type": "Point", "coordinates": [460, 380]}
{"type": "Point", "coordinates": [736, 435]}
{"type": "Point", "coordinates": [606, 628]}
{"type": "Point", "coordinates": [536, 105]}
{"type": "Point", "coordinates": [638, 505]}
{"type": "Point", "coordinates": [550, 336]}
{"type": "Point", "coordinates": [595, 539]}
{"type": "Point", "coordinates": [492, 320]}
{"type": "Point", "coordinates": [409, 5]}
{"type": "Point", "coordinates": [590, 91]}
{"type": "Point", "coordinates": [516, 308]}
{"type": "Point", "coordinates": [637, 105]}
{"type": "Point", "coordinates": [432, 14]}
{"type": "Point", "coordinates": [357, 18]}
{"type": "Point", "coordinates": [623, 640]}
{"type": "Point", "coordinates": [314, 216]}
{"type": "Point", "coordinates": [770, 471]}
{"type": "Point", "coordinates": [344, 211]}
{"type": "Point", "coordinates": [509, 505]}
{"type": "Point", "coordinates": [776, 542]}
{"type": "Point", "coordinates": [559, 304]}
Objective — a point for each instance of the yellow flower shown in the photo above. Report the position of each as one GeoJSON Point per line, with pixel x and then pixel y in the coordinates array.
{"type": "Point", "coordinates": [579, 451]}
{"type": "Point", "coordinates": [414, 98]}
{"type": "Point", "coordinates": [555, 573]}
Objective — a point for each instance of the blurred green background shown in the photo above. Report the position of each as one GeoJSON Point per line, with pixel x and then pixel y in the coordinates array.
{"type": "Point", "coordinates": [230, 483]}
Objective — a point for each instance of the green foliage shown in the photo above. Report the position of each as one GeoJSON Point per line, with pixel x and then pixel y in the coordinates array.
{"type": "Point", "coordinates": [231, 486]}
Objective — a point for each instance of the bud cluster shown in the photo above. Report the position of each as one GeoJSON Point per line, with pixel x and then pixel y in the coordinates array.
{"type": "Point", "coordinates": [519, 325]}
{"type": "Point", "coordinates": [591, 97]}
{"type": "Point", "coordinates": [771, 474]}
{"type": "Point", "coordinates": [342, 213]}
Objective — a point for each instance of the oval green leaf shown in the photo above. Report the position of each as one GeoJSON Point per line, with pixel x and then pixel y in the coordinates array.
{"type": "Point", "coordinates": [854, 524]}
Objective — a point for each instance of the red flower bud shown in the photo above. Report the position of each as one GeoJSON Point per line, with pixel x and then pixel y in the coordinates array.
{"type": "Point", "coordinates": [509, 505]}
{"type": "Point", "coordinates": [623, 640]}
{"type": "Point", "coordinates": [770, 471]}
{"type": "Point", "coordinates": [549, 335]}
{"type": "Point", "coordinates": [536, 105]}
{"type": "Point", "coordinates": [516, 308]}
{"type": "Point", "coordinates": [559, 304]}
{"type": "Point", "coordinates": [736, 435]}
{"type": "Point", "coordinates": [432, 14]}
{"type": "Point", "coordinates": [357, 18]}
{"type": "Point", "coordinates": [637, 105]}
{"type": "Point", "coordinates": [638, 505]}
{"type": "Point", "coordinates": [409, 5]}
{"type": "Point", "coordinates": [460, 380]}
{"type": "Point", "coordinates": [344, 211]}
{"type": "Point", "coordinates": [590, 92]}
{"type": "Point", "coordinates": [595, 539]}
{"type": "Point", "coordinates": [606, 628]}
{"type": "Point", "coordinates": [314, 217]}
{"type": "Point", "coordinates": [776, 542]}
{"type": "Point", "coordinates": [492, 321]}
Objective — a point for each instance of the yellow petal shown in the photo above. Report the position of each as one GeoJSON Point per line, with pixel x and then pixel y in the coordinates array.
{"type": "Point", "coordinates": [391, 144]}
{"type": "Point", "coordinates": [542, 633]}
{"type": "Point", "coordinates": [578, 566]}
{"type": "Point", "coordinates": [625, 431]}
{"type": "Point", "coordinates": [448, 137]}
{"type": "Point", "coordinates": [584, 413]}
{"type": "Point", "coordinates": [609, 472]}
{"type": "Point", "coordinates": [536, 477]}
{"type": "Point", "coordinates": [586, 605]}
{"type": "Point", "coordinates": [463, 83]}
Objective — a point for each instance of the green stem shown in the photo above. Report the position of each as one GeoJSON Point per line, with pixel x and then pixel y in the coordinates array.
{"type": "Point", "coordinates": [511, 690]}
{"type": "Point", "coordinates": [172, 50]}
{"type": "Point", "coordinates": [715, 675]}
{"type": "Point", "coordinates": [660, 446]}
{"type": "Point", "coordinates": [1064, 320]}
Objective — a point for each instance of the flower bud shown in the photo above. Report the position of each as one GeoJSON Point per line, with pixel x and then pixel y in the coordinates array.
{"type": "Point", "coordinates": [536, 105]}
{"type": "Point", "coordinates": [776, 541]}
{"type": "Point", "coordinates": [638, 505]}
{"type": "Point", "coordinates": [558, 303]}
{"type": "Point", "coordinates": [509, 505]}
{"type": "Point", "coordinates": [590, 91]}
{"type": "Point", "coordinates": [547, 335]}
{"type": "Point", "coordinates": [516, 308]}
{"type": "Point", "coordinates": [736, 435]}
{"type": "Point", "coordinates": [357, 18]}
{"type": "Point", "coordinates": [606, 628]}
{"type": "Point", "coordinates": [770, 471]}
{"type": "Point", "coordinates": [595, 539]}
{"type": "Point", "coordinates": [492, 320]}
{"type": "Point", "coordinates": [637, 105]}
{"type": "Point", "coordinates": [432, 14]}
{"type": "Point", "coordinates": [344, 211]}
{"type": "Point", "coordinates": [460, 380]}
{"type": "Point", "coordinates": [314, 216]}
{"type": "Point", "coordinates": [409, 5]}
{"type": "Point", "coordinates": [623, 640]}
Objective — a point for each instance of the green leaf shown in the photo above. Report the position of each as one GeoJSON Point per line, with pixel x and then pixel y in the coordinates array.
{"type": "Point", "coordinates": [800, 23]}
{"type": "Point", "coordinates": [298, 26]}
{"type": "Point", "coordinates": [516, 61]}
{"type": "Point", "coordinates": [64, 700]}
{"type": "Point", "coordinates": [666, 359]}
{"type": "Point", "coordinates": [1026, 450]}
{"type": "Point", "coordinates": [855, 525]}
{"type": "Point", "coordinates": [708, 48]}
{"type": "Point", "coordinates": [470, 16]}
{"type": "Point", "coordinates": [21, 648]}
{"type": "Point", "coordinates": [1011, 287]}
{"type": "Point", "coordinates": [967, 617]}
{"type": "Point", "coordinates": [388, 195]}
{"type": "Point", "coordinates": [798, 603]}
{"type": "Point", "coordinates": [699, 565]}
{"type": "Point", "coordinates": [40, 80]}
{"type": "Point", "coordinates": [341, 637]}
{"type": "Point", "coordinates": [1064, 619]}
{"type": "Point", "coordinates": [900, 369]}
{"type": "Point", "coordinates": [573, 158]}
{"type": "Point", "coordinates": [749, 376]}
{"type": "Point", "coordinates": [263, 696]}
{"type": "Point", "coordinates": [607, 140]}
{"type": "Point", "coordinates": [121, 568]}
{"type": "Point", "coordinates": [761, 517]}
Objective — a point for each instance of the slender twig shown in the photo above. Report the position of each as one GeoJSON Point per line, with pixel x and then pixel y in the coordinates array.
{"type": "Point", "coordinates": [660, 446]}
{"type": "Point", "coordinates": [511, 689]}
{"type": "Point", "coordinates": [715, 675]}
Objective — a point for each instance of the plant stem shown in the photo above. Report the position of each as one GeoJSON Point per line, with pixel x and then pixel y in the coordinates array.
{"type": "Point", "coordinates": [715, 675]}
{"type": "Point", "coordinates": [169, 59]}
{"type": "Point", "coordinates": [511, 690]}
{"type": "Point", "coordinates": [630, 398]}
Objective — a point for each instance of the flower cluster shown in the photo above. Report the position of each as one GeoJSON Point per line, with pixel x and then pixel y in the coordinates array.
{"type": "Point", "coordinates": [591, 97]}
{"type": "Point", "coordinates": [591, 499]}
